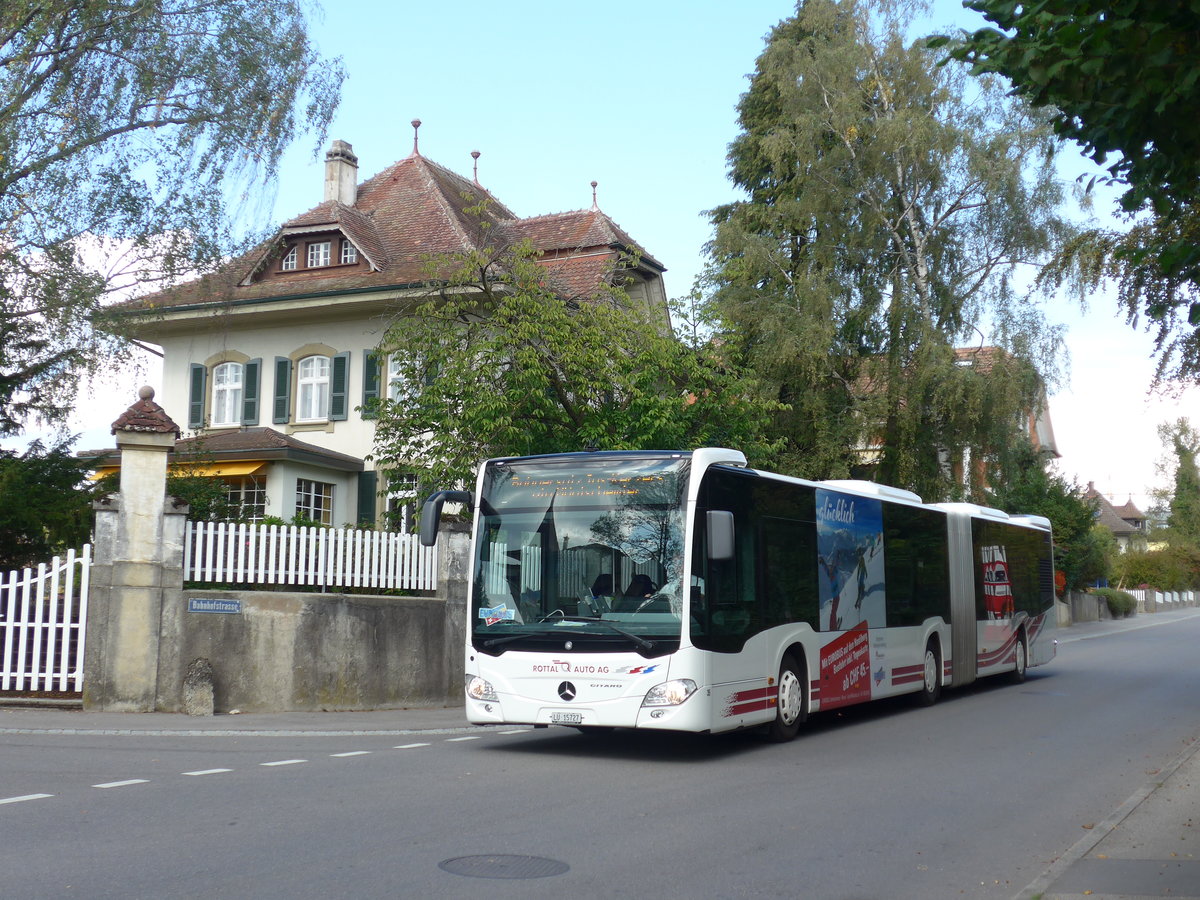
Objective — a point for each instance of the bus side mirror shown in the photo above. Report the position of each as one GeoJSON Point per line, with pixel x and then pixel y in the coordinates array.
{"type": "Point", "coordinates": [720, 534]}
{"type": "Point", "coordinates": [431, 512]}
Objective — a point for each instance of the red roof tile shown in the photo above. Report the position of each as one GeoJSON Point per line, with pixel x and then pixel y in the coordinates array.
{"type": "Point", "coordinates": [410, 213]}
{"type": "Point", "coordinates": [145, 416]}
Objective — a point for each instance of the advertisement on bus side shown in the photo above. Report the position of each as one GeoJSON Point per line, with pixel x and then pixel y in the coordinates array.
{"type": "Point", "coordinates": [850, 561]}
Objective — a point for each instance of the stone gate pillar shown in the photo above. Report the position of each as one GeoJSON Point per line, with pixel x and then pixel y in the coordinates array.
{"type": "Point", "coordinates": [138, 558]}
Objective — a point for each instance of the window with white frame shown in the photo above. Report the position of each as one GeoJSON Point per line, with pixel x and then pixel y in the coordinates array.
{"type": "Point", "coordinates": [401, 384]}
{"type": "Point", "coordinates": [227, 394]}
{"type": "Point", "coordinates": [288, 263]}
{"type": "Point", "coordinates": [397, 386]}
{"type": "Point", "coordinates": [318, 254]}
{"type": "Point", "coordinates": [314, 500]}
{"type": "Point", "coordinates": [312, 389]}
{"type": "Point", "coordinates": [248, 496]}
{"type": "Point", "coordinates": [349, 253]}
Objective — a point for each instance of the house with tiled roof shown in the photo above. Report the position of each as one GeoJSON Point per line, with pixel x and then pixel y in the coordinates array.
{"type": "Point", "coordinates": [1126, 522]}
{"type": "Point", "coordinates": [270, 360]}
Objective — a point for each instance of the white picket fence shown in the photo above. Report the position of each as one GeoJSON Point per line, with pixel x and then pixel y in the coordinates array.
{"type": "Point", "coordinates": [43, 621]}
{"type": "Point", "coordinates": [282, 555]}
{"type": "Point", "coordinates": [1148, 599]}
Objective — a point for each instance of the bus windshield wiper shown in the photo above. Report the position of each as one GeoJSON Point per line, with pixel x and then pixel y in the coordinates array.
{"type": "Point", "coordinates": [637, 639]}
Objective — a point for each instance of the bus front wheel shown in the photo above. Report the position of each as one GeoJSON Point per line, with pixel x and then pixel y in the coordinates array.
{"type": "Point", "coordinates": [791, 705]}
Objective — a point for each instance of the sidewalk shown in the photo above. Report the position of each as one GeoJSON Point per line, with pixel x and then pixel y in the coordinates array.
{"type": "Point", "coordinates": [18, 720]}
{"type": "Point", "coordinates": [1150, 845]}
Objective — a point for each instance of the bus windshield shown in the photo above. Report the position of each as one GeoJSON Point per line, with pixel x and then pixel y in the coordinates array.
{"type": "Point", "coordinates": [584, 548]}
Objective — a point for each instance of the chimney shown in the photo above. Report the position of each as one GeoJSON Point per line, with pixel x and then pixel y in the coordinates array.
{"type": "Point", "coordinates": [341, 173]}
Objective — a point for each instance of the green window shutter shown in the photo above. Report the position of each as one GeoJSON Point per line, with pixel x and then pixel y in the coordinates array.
{"type": "Point", "coordinates": [251, 384]}
{"type": "Point", "coordinates": [282, 408]}
{"type": "Point", "coordinates": [196, 378]}
{"type": "Point", "coordinates": [370, 392]}
{"type": "Point", "coordinates": [368, 489]}
{"type": "Point", "coordinates": [339, 383]}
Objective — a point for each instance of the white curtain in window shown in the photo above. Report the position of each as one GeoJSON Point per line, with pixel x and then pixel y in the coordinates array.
{"type": "Point", "coordinates": [312, 384]}
{"type": "Point", "coordinates": [227, 394]}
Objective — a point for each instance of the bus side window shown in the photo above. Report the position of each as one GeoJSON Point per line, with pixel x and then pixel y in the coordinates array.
{"type": "Point", "coordinates": [789, 553]}
{"type": "Point", "coordinates": [733, 602]}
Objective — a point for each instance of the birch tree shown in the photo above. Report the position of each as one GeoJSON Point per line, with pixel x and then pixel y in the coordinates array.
{"type": "Point", "coordinates": [128, 128]}
{"type": "Point", "coordinates": [891, 204]}
{"type": "Point", "coordinates": [1120, 78]}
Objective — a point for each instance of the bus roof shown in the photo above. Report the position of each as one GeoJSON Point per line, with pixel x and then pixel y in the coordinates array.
{"type": "Point", "coordinates": [999, 515]}
{"type": "Point", "coordinates": [705, 456]}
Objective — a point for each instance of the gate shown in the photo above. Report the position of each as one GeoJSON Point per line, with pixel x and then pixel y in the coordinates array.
{"type": "Point", "coordinates": [43, 616]}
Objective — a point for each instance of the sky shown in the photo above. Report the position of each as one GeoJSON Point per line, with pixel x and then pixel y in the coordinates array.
{"type": "Point", "coordinates": [641, 100]}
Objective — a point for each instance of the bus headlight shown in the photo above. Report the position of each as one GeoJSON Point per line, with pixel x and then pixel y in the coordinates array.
{"type": "Point", "coordinates": [480, 689]}
{"type": "Point", "coordinates": [670, 693]}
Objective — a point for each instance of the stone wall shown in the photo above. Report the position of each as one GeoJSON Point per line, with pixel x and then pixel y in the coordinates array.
{"type": "Point", "coordinates": [269, 651]}
{"type": "Point", "coordinates": [274, 651]}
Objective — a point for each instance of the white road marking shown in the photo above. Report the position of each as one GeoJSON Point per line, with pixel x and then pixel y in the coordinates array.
{"type": "Point", "coordinates": [23, 799]}
{"type": "Point", "coordinates": [282, 762]}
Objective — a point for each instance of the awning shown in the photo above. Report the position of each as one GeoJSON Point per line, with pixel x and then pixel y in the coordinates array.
{"type": "Point", "coordinates": [202, 470]}
{"type": "Point", "coordinates": [220, 470]}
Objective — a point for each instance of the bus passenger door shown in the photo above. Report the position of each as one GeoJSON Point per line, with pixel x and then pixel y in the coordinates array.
{"type": "Point", "coordinates": [733, 629]}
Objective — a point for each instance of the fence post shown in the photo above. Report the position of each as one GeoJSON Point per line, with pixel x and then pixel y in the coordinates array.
{"type": "Point", "coordinates": [139, 560]}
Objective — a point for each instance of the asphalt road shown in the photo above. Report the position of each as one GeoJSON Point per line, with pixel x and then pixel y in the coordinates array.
{"type": "Point", "coordinates": [971, 798]}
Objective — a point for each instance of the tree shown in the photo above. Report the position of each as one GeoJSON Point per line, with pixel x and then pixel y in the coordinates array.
{"type": "Point", "coordinates": [494, 362]}
{"type": "Point", "coordinates": [889, 202]}
{"type": "Point", "coordinates": [45, 504]}
{"type": "Point", "coordinates": [1183, 518]}
{"type": "Point", "coordinates": [1168, 569]}
{"type": "Point", "coordinates": [1084, 552]}
{"type": "Point", "coordinates": [1119, 77]}
{"type": "Point", "coordinates": [128, 130]}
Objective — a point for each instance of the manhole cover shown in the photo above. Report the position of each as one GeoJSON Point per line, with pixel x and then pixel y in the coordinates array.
{"type": "Point", "coordinates": [501, 866]}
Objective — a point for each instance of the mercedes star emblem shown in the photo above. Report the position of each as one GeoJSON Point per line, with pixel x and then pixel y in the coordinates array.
{"type": "Point", "coordinates": [566, 690]}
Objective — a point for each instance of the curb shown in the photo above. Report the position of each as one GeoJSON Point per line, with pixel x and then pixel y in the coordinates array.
{"type": "Point", "coordinates": [1081, 848]}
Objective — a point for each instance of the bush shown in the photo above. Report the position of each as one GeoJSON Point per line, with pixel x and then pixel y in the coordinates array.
{"type": "Point", "coordinates": [45, 504]}
{"type": "Point", "coordinates": [1120, 603]}
{"type": "Point", "coordinates": [1174, 568]}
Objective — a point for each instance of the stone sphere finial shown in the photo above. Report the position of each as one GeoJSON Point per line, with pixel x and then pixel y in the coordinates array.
{"type": "Point", "coordinates": [146, 392]}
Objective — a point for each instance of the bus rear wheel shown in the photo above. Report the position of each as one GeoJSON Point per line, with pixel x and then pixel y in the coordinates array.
{"type": "Point", "coordinates": [1017, 675]}
{"type": "Point", "coordinates": [931, 687]}
{"type": "Point", "coordinates": [791, 704]}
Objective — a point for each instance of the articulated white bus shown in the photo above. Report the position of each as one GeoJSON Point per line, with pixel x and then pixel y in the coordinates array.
{"type": "Point", "coordinates": [688, 592]}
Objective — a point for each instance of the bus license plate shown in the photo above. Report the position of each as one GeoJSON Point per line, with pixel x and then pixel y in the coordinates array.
{"type": "Point", "coordinates": [566, 718]}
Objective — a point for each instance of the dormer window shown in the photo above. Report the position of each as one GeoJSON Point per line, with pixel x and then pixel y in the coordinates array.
{"type": "Point", "coordinates": [318, 254]}
{"type": "Point", "coordinates": [349, 253]}
{"type": "Point", "coordinates": [288, 263]}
